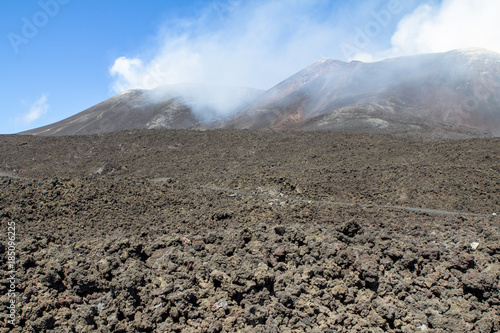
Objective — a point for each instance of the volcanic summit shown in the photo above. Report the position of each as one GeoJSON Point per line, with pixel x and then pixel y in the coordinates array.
{"type": "Point", "coordinates": [459, 89]}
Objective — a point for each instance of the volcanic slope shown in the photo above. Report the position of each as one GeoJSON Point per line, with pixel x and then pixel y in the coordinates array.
{"type": "Point", "coordinates": [236, 231]}
{"type": "Point", "coordinates": [166, 107]}
{"type": "Point", "coordinates": [460, 89]}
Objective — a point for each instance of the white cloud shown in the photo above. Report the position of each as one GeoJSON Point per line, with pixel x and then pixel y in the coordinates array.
{"type": "Point", "coordinates": [452, 24]}
{"type": "Point", "coordinates": [37, 110]}
{"type": "Point", "coordinates": [254, 44]}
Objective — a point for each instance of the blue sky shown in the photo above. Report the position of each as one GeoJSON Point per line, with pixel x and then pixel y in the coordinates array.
{"type": "Point", "coordinates": [60, 57]}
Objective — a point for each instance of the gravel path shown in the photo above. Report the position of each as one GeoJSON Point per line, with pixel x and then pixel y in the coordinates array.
{"type": "Point", "coordinates": [283, 198]}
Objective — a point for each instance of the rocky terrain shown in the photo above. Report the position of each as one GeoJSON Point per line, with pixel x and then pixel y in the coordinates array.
{"type": "Point", "coordinates": [241, 231]}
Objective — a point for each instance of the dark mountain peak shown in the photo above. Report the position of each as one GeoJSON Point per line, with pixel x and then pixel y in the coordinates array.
{"type": "Point", "coordinates": [169, 107]}
{"type": "Point", "coordinates": [460, 88]}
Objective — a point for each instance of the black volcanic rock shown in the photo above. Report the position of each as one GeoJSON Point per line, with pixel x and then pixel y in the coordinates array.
{"type": "Point", "coordinates": [186, 231]}
{"type": "Point", "coordinates": [459, 88]}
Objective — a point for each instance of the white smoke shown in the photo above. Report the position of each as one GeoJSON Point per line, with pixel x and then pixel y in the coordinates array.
{"type": "Point", "coordinates": [208, 102]}
{"type": "Point", "coordinates": [239, 43]}
{"type": "Point", "coordinates": [452, 24]}
{"type": "Point", "coordinates": [260, 43]}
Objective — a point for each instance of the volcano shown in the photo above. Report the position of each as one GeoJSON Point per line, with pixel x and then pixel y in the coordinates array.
{"type": "Point", "coordinates": [454, 90]}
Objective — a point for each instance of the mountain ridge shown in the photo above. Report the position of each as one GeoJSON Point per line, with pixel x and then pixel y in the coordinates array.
{"type": "Point", "coordinates": [166, 107]}
{"type": "Point", "coordinates": [457, 90]}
